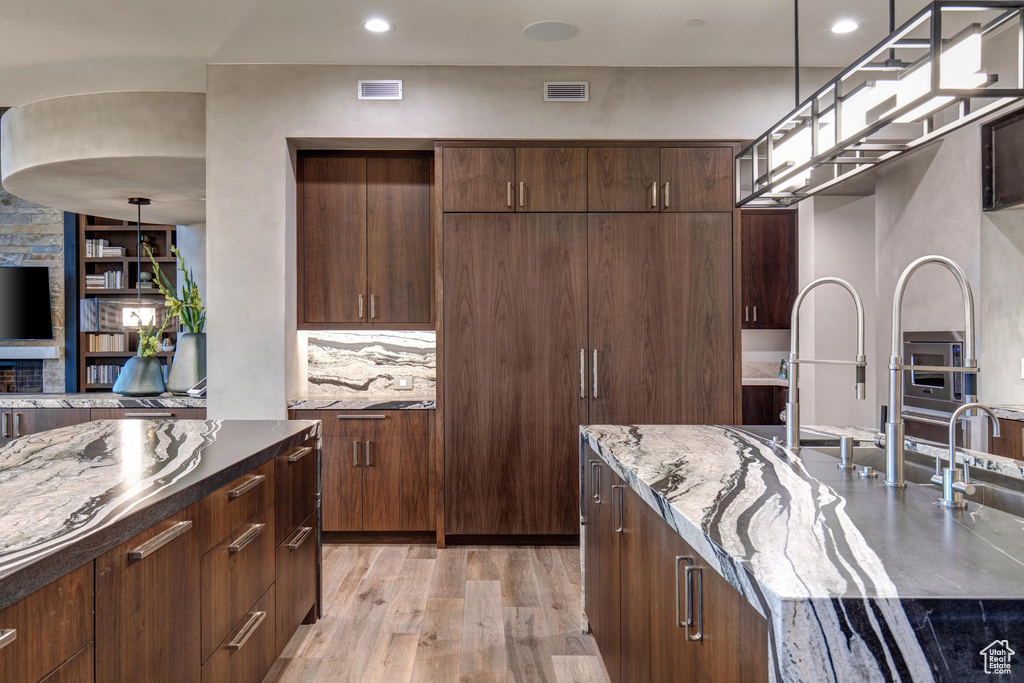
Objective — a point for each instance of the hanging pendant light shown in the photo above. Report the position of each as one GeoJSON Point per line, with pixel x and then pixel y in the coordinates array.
{"type": "Point", "coordinates": [930, 76]}
{"type": "Point", "coordinates": [133, 317]}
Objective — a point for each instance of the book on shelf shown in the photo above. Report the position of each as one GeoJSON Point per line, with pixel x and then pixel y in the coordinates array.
{"type": "Point", "coordinates": [113, 251]}
{"type": "Point", "coordinates": [112, 279]}
{"type": "Point", "coordinates": [102, 374]}
{"type": "Point", "coordinates": [94, 247]}
{"type": "Point", "coordinates": [106, 342]}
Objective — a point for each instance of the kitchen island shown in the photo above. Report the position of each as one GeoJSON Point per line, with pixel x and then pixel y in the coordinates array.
{"type": "Point", "coordinates": [853, 581]}
{"type": "Point", "coordinates": [163, 542]}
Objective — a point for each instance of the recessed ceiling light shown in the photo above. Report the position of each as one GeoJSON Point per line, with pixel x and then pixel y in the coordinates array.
{"type": "Point", "coordinates": [845, 26]}
{"type": "Point", "coordinates": [549, 30]}
{"type": "Point", "coordinates": [696, 22]}
{"type": "Point", "coordinates": [377, 25]}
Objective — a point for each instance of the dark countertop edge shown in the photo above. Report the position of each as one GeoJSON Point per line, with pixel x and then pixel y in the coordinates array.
{"type": "Point", "coordinates": [30, 578]}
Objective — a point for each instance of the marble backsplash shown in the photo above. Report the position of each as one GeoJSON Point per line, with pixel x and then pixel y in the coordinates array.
{"type": "Point", "coordinates": [366, 364]}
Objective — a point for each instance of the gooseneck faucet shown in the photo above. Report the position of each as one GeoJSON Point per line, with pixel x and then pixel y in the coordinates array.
{"type": "Point", "coordinates": [793, 393]}
{"type": "Point", "coordinates": [894, 428]}
{"type": "Point", "coordinates": [955, 483]}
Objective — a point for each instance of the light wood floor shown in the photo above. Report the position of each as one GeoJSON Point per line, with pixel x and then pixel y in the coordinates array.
{"type": "Point", "coordinates": [416, 613]}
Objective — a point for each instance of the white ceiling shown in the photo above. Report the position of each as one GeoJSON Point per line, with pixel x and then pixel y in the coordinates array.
{"type": "Point", "coordinates": [50, 48]}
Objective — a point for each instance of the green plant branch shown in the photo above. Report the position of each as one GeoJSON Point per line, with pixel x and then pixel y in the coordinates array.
{"type": "Point", "coordinates": [188, 308]}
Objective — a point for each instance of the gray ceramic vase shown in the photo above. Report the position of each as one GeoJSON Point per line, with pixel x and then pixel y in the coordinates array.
{"type": "Point", "coordinates": [189, 365]}
{"type": "Point", "coordinates": [140, 376]}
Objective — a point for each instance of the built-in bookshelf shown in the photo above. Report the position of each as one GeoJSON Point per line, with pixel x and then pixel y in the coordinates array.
{"type": "Point", "coordinates": [108, 281]}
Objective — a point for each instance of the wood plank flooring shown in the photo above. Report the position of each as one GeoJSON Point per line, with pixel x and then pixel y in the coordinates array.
{"type": "Point", "coordinates": [415, 613]}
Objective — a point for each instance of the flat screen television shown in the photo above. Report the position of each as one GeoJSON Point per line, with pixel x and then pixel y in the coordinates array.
{"type": "Point", "coordinates": [25, 303]}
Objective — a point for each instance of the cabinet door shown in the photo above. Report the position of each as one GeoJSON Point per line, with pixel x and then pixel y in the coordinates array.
{"type": "Point", "coordinates": [769, 268]}
{"type": "Point", "coordinates": [515, 323]}
{"type": "Point", "coordinates": [661, 318]}
{"type": "Point", "coordinates": [342, 483]}
{"type": "Point", "coordinates": [697, 179]}
{"type": "Point", "coordinates": [478, 178]}
{"type": "Point", "coordinates": [35, 420]}
{"type": "Point", "coordinates": [6, 427]}
{"type": "Point", "coordinates": [147, 414]}
{"type": "Point", "coordinates": [1011, 443]}
{"type": "Point", "coordinates": [634, 585]}
{"type": "Point", "coordinates": [396, 477]}
{"type": "Point", "coordinates": [759, 403]}
{"type": "Point", "coordinates": [673, 657]}
{"type": "Point", "coordinates": [623, 179]}
{"type": "Point", "coordinates": [551, 179]}
{"type": "Point", "coordinates": [332, 240]}
{"type": "Point", "coordinates": [602, 589]}
{"type": "Point", "coordinates": [594, 535]}
{"type": "Point", "coordinates": [398, 239]}
{"type": "Point", "coordinates": [147, 609]}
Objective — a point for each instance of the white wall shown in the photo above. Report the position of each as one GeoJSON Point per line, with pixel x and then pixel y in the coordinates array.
{"type": "Point", "coordinates": [253, 110]}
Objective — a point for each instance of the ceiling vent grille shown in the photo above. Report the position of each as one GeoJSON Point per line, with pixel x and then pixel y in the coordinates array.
{"type": "Point", "coordinates": [567, 91]}
{"type": "Point", "coordinates": [380, 90]}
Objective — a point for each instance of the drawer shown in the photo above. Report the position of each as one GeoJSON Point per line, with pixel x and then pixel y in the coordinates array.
{"type": "Point", "coordinates": [296, 580]}
{"type": "Point", "coordinates": [150, 413]}
{"type": "Point", "coordinates": [247, 654]}
{"type": "Point", "coordinates": [233, 576]}
{"type": "Point", "coordinates": [370, 422]}
{"type": "Point", "coordinates": [50, 626]}
{"type": "Point", "coordinates": [228, 507]}
{"type": "Point", "coordinates": [294, 489]}
{"type": "Point", "coordinates": [78, 669]}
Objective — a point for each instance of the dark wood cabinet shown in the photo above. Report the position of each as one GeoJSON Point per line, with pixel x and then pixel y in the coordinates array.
{"type": "Point", "coordinates": [697, 179]}
{"type": "Point", "coordinates": [296, 580]}
{"type": "Point", "coordinates": [18, 422]}
{"type": "Point", "coordinates": [515, 371]}
{"type": "Point", "coordinates": [762, 405]}
{"type": "Point", "coordinates": [147, 414]}
{"type": "Point", "coordinates": [395, 482]}
{"type": "Point", "coordinates": [147, 605]}
{"type": "Point", "coordinates": [364, 240]}
{"type": "Point", "coordinates": [295, 480]}
{"type": "Point", "coordinates": [623, 179]}
{"type": "Point", "coordinates": [551, 179]}
{"type": "Point", "coordinates": [79, 669]}
{"type": "Point", "coordinates": [249, 651]}
{"type": "Point", "coordinates": [1011, 443]}
{"type": "Point", "coordinates": [769, 268]}
{"type": "Point", "coordinates": [342, 484]}
{"type": "Point", "coordinates": [661, 321]}
{"type": "Point", "coordinates": [479, 179]}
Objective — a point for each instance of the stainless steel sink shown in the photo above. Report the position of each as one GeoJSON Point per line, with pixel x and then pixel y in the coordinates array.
{"type": "Point", "coordinates": [995, 490]}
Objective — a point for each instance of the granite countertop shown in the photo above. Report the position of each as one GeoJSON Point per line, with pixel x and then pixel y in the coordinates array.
{"type": "Point", "coordinates": [1009, 412]}
{"type": "Point", "coordinates": [362, 403]}
{"type": "Point", "coordinates": [858, 582]}
{"type": "Point", "coordinates": [68, 495]}
{"type": "Point", "coordinates": [765, 382]}
{"type": "Point", "coordinates": [98, 400]}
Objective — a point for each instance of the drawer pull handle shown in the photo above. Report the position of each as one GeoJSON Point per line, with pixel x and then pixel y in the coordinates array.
{"type": "Point", "coordinates": [17, 424]}
{"type": "Point", "coordinates": [149, 414]}
{"type": "Point", "coordinates": [355, 454]}
{"type": "Point", "coordinates": [246, 538]}
{"type": "Point", "coordinates": [246, 486]}
{"type": "Point", "coordinates": [362, 417]}
{"type": "Point", "coordinates": [300, 537]}
{"type": "Point", "coordinates": [160, 540]}
{"type": "Point", "coordinates": [617, 489]}
{"type": "Point", "coordinates": [300, 454]}
{"type": "Point", "coordinates": [255, 619]}
{"type": "Point", "coordinates": [685, 610]}
{"type": "Point", "coordinates": [699, 635]}
{"type": "Point", "coordinates": [7, 636]}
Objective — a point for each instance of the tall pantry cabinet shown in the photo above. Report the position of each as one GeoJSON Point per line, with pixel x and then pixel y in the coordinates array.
{"type": "Point", "coordinates": [582, 284]}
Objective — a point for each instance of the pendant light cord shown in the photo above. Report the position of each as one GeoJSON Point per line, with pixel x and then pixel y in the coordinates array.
{"type": "Point", "coordinates": [138, 256]}
{"type": "Point", "coordinates": [796, 52]}
{"type": "Point", "coordinates": [892, 28]}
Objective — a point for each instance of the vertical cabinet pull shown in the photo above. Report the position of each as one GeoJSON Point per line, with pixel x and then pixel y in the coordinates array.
{"type": "Point", "coordinates": [159, 541]}
{"type": "Point", "coordinates": [373, 306]}
{"type": "Point", "coordinates": [654, 195]}
{"type": "Point", "coordinates": [255, 619]}
{"type": "Point", "coordinates": [686, 609]}
{"type": "Point", "coordinates": [7, 636]}
{"type": "Point", "coordinates": [583, 373]}
{"type": "Point", "coordinates": [366, 453]}
{"type": "Point", "coordinates": [17, 424]}
{"type": "Point", "coordinates": [595, 373]}
{"type": "Point", "coordinates": [665, 192]}
{"type": "Point", "coordinates": [617, 488]}
{"type": "Point", "coordinates": [360, 306]}
{"type": "Point", "coordinates": [699, 634]}
{"type": "Point", "coordinates": [746, 314]}
{"type": "Point", "coordinates": [6, 417]}
{"type": "Point", "coordinates": [508, 194]}
{"type": "Point", "coordinates": [522, 193]}
{"type": "Point", "coordinates": [755, 314]}
{"type": "Point", "coordinates": [595, 480]}
{"type": "Point", "coordinates": [355, 454]}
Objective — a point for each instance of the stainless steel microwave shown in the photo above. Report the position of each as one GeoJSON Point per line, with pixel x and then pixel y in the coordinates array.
{"type": "Point", "coordinates": [933, 390]}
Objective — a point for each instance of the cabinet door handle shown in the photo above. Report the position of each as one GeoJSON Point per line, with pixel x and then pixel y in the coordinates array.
{"type": "Point", "coordinates": [373, 306]}
{"type": "Point", "coordinates": [246, 486]}
{"type": "Point", "coordinates": [699, 635]}
{"type": "Point", "coordinates": [244, 633]}
{"type": "Point", "coordinates": [160, 540]}
{"type": "Point", "coordinates": [362, 417]}
{"type": "Point", "coordinates": [299, 454]}
{"type": "Point", "coordinates": [746, 314]}
{"type": "Point", "coordinates": [163, 414]}
{"type": "Point", "coordinates": [300, 537]}
{"type": "Point", "coordinates": [522, 193]}
{"type": "Point", "coordinates": [595, 374]}
{"type": "Point", "coordinates": [355, 454]}
{"type": "Point", "coordinates": [755, 314]}
{"type": "Point", "coordinates": [367, 453]}
{"type": "Point", "coordinates": [6, 417]}
{"type": "Point", "coordinates": [7, 636]}
{"type": "Point", "coordinates": [17, 424]}
{"type": "Point", "coordinates": [508, 194]}
{"type": "Point", "coordinates": [583, 373]}
{"type": "Point", "coordinates": [360, 306]}
{"type": "Point", "coordinates": [665, 191]}
{"type": "Point", "coordinates": [247, 537]}
{"type": "Point", "coordinates": [595, 480]}
{"type": "Point", "coordinates": [617, 488]}
{"type": "Point", "coordinates": [686, 609]}
{"type": "Point", "coordinates": [654, 195]}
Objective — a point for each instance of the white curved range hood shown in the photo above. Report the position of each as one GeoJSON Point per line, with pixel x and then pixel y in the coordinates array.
{"type": "Point", "coordinates": [90, 153]}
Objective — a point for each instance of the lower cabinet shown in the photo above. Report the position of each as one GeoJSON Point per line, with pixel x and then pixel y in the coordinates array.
{"type": "Point", "coordinates": [657, 610]}
{"type": "Point", "coordinates": [763, 405]}
{"type": "Point", "coordinates": [249, 651]}
{"type": "Point", "coordinates": [296, 594]}
{"type": "Point", "coordinates": [16, 422]}
{"type": "Point", "coordinates": [147, 414]}
{"type": "Point", "coordinates": [1011, 443]}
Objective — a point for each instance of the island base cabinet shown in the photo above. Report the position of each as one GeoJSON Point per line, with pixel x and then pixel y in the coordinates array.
{"type": "Point", "coordinates": [147, 605]}
{"type": "Point", "coordinates": [247, 654]}
{"type": "Point", "coordinates": [296, 580]}
{"type": "Point", "coordinates": [78, 669]}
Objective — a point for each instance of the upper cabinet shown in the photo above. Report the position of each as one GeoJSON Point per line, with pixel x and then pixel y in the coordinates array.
{"type": "Point", "coordinates": [364, 244]}
{"type": "Point", "coordinates": [769, 268]}
{"type": "Point", "coordinates": [660, 179]}
{"type": "Point", "coordinates": [504, 179]}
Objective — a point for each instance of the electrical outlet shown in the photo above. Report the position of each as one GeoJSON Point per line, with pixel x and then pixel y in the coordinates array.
{"type": "Point", "coordinates": [403, 383]}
